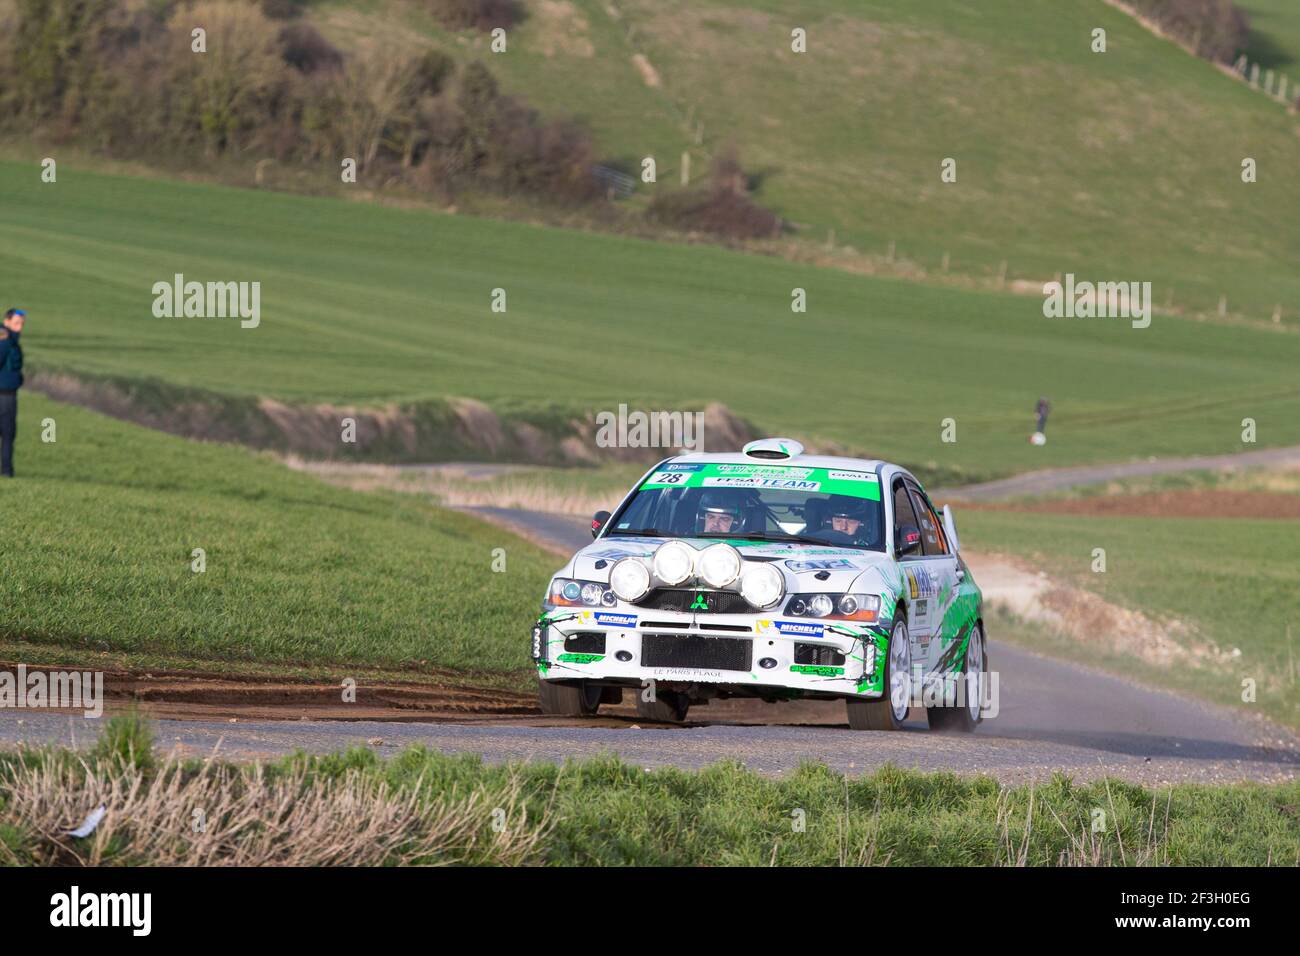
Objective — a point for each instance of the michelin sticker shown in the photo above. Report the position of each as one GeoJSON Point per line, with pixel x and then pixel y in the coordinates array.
{"type": "Point", "coordinates": [616, 620]}
{"type": "Point", "coordinates": [791, 628]}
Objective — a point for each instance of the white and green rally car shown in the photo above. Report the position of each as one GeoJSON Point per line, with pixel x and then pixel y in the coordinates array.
{"type": "Point", "coordinates": [769, 574]}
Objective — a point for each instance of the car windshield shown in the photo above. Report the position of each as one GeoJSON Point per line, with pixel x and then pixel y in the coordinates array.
{"type": "Point", "coordinates": [743, 502]}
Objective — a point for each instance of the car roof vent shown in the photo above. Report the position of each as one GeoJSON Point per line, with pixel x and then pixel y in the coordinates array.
{"type": "Point", "coordinates": [773, 449]}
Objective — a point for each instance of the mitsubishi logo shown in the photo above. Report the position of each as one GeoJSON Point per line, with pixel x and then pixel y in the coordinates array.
{"type": "Point", "coordinates": [700, 604]}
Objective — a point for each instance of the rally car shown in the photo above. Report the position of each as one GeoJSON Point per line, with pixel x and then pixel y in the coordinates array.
{"type": "Point", "coordinates": [774, 574]}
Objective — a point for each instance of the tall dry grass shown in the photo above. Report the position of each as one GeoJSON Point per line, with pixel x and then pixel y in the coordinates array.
{"type": "Point", "coordinates": [219, 815]}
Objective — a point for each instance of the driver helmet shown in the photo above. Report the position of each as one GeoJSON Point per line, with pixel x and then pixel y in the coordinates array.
{"type": "Point", "coordinates": [718, 513]}
{"type": "Point", "coordinates": [847, 514]}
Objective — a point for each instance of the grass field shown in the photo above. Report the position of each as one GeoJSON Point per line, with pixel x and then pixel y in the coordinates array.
{"type": "Point", "coordinates": [1275, 34]}
{"type": "Point", "coordinates": [426, 807]}
{"type": "Point", "coordinates": [101, 525]}
{"type": "Point", "coordinates": [1234, 581]}
{"type": "Point", "coordinates": [370, 305]}
{"type": "Point", "coordinates": [1123, 164]}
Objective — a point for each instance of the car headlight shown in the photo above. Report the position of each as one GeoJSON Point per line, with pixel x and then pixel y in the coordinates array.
{"type": "Point", "coordinates": [843, 607]}
{"type": "Point", "coordinates": [720, 565]}
{"type": "Point", "coordinates": [674, 562]}
{"type": "Point", "coordinates": [629, 579]}
{"type": "Point", "coordinates": [761, 585]}
{"type": "Point", "coordinates": [569, 593]}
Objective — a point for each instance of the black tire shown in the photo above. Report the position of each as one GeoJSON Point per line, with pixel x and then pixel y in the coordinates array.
{"type": "Point", "coordinates": [668, 707]}
{"type": "Point", "coordinates": [880, 714]}
{"type": "Point", "coordinates": [959, 719]}
{"type": "Point", "coordinates": [578, 699]}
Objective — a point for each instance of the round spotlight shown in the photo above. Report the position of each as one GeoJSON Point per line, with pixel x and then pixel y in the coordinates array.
{"type": "Point", "coordinates": [591, 594]}
{"type": "Point", "coordinates": [761, 585]}
{"type": "Point", "coordinates": [674, 562]}
{"type": "Point", "coordinates": [626, 656]}
{"type": "Point", "coordinates": [629, 579]}
{"type": "Point", "coordinates": [571, 591]}
{"type": "Point", "coordinates": [820, 605]}
{"type": "Point", "coordinates": [720, 565]}
{"type": "Point", "coordinates": [848, 605]}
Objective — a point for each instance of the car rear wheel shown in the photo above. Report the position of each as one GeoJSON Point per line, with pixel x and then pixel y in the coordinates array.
{"type": "Point", "coordinates": [668, 706]}
{"type": "Point", "coordinates": [965, 715]}
{"type": "Point", "coordinates": [889, 712]}
{"type": "Point", "coordinates": [578, 699]}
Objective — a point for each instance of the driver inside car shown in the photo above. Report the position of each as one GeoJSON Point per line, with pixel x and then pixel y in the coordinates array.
{"type": "Point", "coordinates": [718, 514]}
{"type": "Point", "coordinates": [848, 518]}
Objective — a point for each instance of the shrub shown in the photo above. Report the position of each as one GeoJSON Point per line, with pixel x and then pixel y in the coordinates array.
{"type": "Point", "coordinates": [1214, 29]}
{"type": "Point", "coordinates": [304, 49]}
{"type": "Point", "coordinates": [476, 14]}
{"type": "Point", "coordinates": [722, 208]}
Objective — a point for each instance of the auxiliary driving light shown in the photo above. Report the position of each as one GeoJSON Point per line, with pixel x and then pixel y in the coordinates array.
{"type": "Point", "coordinates": [629, 579]}
{"type": "Point", "coordinates": [720, 565]}
{"type": "Point", "coordinates": [761, 585]}
{"type": "Point", "coordinates": [674, 562]}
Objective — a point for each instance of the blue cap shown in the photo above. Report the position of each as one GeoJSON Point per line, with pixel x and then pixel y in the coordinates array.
{"type": "Point", "coordinates": [18, 312]}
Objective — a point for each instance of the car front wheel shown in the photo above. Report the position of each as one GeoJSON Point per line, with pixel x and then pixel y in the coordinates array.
{"type": "Point", "coordinates": [578, 699]}
{"type": "Point", "coordinates": [889, 712]}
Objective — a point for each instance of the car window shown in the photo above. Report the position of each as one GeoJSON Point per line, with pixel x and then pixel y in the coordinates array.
{"type": "Point", "coordinates": [933, 541]}
{"type": "Point", "coordinates": [903, 514]}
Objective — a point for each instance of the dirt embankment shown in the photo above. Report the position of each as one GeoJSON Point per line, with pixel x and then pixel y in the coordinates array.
{"type": "Point", "coordinates": [432, 430]}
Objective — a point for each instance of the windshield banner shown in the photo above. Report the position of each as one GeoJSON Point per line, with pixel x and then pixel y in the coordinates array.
{"type": "Point", "coordinates": [825, 481]}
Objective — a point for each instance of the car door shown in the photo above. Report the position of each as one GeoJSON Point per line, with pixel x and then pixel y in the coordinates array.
{"type": "Point", "coordinates": [916, 577]}
{"type": "Point", "coordinates": [937, 581]}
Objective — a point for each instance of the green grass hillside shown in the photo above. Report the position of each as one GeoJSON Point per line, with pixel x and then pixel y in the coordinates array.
{"type": "Point", "coordinates": [101, 524]}
{"type": "Point", "coordinates": [1233, 581]}
{"type": "Point", "coordinates": [1274, 35]}
{"type": "Point", "coordinates": [1123, 164]}
{"type": "Point", "coordinates": [368, 304]}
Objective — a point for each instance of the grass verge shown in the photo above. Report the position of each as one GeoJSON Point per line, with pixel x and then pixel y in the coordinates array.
{"type": "Point", "coordinates": [424, 807]}
{"type": "Point", "coordinates": [100, 556]}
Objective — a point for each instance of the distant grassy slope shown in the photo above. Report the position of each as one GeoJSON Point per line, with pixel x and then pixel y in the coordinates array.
{"type": "Point", "coordinates": [100, 525]}
{"type": "Point", "coordinates": [1123, 164]}
{"type": "Point", "coordinates": [1274, 34]}
{"type": "Point", "coordinates": [1234, 581]}
{"type": "Point", "coordinates": [369, 304]}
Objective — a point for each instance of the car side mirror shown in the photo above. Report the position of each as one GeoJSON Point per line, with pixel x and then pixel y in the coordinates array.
{"type": "Point", "coordinates": [950, 528]}
{"type": "Point", "coordinates": [598, 521]}
{"type": "Point", "coordinates": [906, 539]}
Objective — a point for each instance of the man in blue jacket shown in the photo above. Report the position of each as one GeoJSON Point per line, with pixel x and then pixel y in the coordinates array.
{"type": "Point", "coordinates": [11, 379]}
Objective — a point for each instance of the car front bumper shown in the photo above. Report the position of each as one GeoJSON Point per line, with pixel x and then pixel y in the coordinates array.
{"type": "Point", "coordinates": [751, 654]}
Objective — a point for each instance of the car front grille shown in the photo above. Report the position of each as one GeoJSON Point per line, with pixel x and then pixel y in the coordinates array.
{"type": "Point", "coordinates": [822, 654]}
{"type": "Point", "coordinates": [696, 650]}
{"type": "Point", "coordinates": [586, 642]}
{"type": "Point", "coordinates": [689, 599]}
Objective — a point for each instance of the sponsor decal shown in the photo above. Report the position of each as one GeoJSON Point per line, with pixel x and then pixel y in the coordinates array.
{"type": "Point", "coordinates": [690, 673]}
{"type": "Point", "coordinates": [613, 554]}
{"type": "Point", "coordinates": [920, 581]}
{"type": "Point", "coordinates": [828, 564]}
{"type": "Point", "coordinates": [616, 620]}
{"type": "Point", "coordinates": [792, 628]}
{"type": "Point", "coordinates": [581, 658]}
{"type": "Point", "coordinates": [725, 475]}
{"type": "Point", "coordinates": [749, 481]}
{"type": "Point", "coordinates": [817, 670]}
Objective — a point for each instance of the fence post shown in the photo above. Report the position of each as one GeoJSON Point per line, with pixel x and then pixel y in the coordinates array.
{"type": "Point", "coordinates": [686, 168]}
{"type": "Point", "coordinates": [1254, 75]}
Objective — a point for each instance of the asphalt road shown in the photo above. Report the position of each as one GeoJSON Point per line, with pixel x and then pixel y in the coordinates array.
{"type": "Point", "coordinates": [1054, 716]}
{"type": "Point", "coordinates": [1043, 482]}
